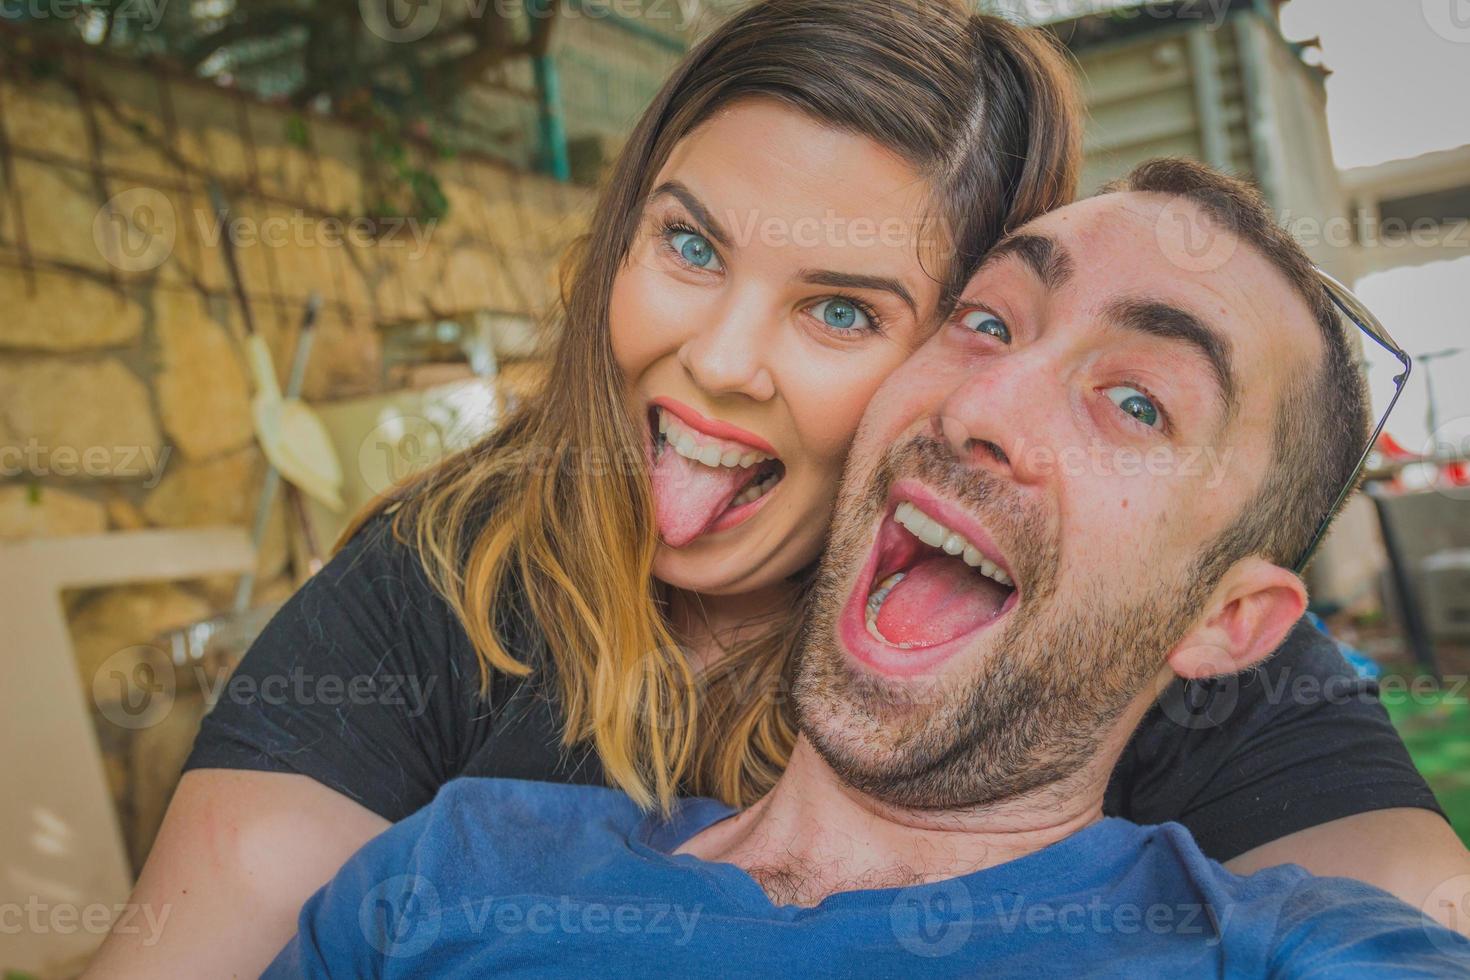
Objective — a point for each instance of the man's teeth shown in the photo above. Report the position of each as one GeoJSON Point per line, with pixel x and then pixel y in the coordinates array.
{"type": "Point", "coordinates": [703, 449]}
{"type": "Point", "coordinates": [875, 603]}
{"type": "Point", "coordinates": [936, 535]}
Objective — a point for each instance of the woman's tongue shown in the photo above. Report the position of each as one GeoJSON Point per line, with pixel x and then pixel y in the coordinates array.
{"type": "Point", "coordinates": [688, 497]}
{"type": "Point", "coordinates": [939, 599]}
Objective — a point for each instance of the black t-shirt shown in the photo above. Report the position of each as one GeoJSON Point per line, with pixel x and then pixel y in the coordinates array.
{"type": "Point", "coordinates": [366, 682]}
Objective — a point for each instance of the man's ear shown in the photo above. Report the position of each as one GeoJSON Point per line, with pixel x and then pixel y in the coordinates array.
{"type": "Point", "coordinates": [1253, 609]}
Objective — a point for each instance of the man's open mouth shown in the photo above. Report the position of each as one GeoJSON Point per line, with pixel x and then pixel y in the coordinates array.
{"type": "Point", "coordinates": [704, 482]}
{"type": "Point", "coordinates": [933, 579]}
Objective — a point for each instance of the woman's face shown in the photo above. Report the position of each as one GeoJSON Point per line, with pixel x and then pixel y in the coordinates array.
{"type": "Point", "coordinates": [775, 279]}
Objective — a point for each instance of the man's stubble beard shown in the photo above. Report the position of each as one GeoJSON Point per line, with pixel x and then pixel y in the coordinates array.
{"type": "Point", "coordinates": [1060, 670]}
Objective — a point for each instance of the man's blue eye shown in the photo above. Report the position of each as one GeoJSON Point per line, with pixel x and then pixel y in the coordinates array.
{"type": "Point", "coordinates": [840, 314]}
{"type": "Point", "coordinates": [695, 249]}
{"type": "Point", "coordinates": [987, 323]}
{"type": "Point", "coordinates": [1136, 404]}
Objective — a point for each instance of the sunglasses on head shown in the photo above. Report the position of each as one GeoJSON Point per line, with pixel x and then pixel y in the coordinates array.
{"type": "Point", "coordinates": [1354, 310]}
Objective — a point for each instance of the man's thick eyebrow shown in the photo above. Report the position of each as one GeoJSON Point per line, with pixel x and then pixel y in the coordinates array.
{"type": "Point", "coordinates": [1160, 319]}
{"type": "Point", "coordinates": [1050, 261]}
{"type": "Point", "coordinates": [853, 280]}
{"type": "Point", "coordinates": [691, 203]}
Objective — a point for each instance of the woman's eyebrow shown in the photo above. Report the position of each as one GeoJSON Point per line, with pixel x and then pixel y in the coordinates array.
{"type": "Point", "coordinates": [853, 280]}
{"type": "Point", "coordinates": [700, 213]}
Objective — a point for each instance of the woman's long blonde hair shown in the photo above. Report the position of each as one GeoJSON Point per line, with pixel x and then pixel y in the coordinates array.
{"type": "Point", "coordinates": [550, 518]}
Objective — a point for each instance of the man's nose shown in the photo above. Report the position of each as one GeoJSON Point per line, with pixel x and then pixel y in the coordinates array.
{"type": "Point", "coordinates": [730, 354]}
{"type": "Point", "coordinates": [1005, 415]}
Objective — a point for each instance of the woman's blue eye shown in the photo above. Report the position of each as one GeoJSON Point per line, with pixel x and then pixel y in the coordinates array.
{"type": "Point", "coordinates": [840, 314]}
{"type": "Point", "coordinates": [1136, 404]}
{"type": "Point", "coordinates": [987, 323]}
{"type": "Point", "coordinates": [695, 249]}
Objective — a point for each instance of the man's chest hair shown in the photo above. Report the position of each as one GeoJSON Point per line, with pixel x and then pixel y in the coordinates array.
{"type": "Point", "coordinates": [805, 884]}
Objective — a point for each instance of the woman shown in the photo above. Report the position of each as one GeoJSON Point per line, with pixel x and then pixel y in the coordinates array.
{"type": "Point", "coordinates": [605, 589]}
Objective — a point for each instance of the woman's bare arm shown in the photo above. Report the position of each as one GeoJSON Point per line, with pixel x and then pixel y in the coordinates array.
{"type": "Point", "coordinates": [238, 854]}
{"type": "Point", "coordinates": [1410, 853]}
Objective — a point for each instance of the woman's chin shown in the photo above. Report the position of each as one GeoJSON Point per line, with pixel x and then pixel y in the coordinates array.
{"type": "Point", "coordinates": [724, 568]}
{"type": "Point", "coordinates": [703, 568]}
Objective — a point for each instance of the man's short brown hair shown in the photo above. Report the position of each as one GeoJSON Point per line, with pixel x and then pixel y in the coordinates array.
{"type": "Point", "coordinates": [1323, 420]}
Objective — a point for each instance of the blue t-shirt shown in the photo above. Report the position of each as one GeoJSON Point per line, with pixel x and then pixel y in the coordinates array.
{"type": "Point", "coordinates": [506, 876]}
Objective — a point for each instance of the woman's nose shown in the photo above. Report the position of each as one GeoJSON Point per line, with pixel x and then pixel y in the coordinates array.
{"type": "Point", "coordinates": [729, 355]}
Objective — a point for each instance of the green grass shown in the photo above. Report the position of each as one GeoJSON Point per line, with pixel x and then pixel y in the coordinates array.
{"type": "Point", "coordinates": [1437, 731]}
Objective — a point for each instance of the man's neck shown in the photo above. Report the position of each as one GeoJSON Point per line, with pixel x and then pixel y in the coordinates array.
{"type": "Point", "coordinates": [813, 836]}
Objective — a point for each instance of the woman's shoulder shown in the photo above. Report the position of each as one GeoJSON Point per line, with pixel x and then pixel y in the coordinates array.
{"type": "Point", "coordinates": [382, 563]}
{"type": "Point", "coordinates": [365, 666]}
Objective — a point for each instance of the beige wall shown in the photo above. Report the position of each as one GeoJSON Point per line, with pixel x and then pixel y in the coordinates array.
{"type": "Point", "coordinates": [124, 396]}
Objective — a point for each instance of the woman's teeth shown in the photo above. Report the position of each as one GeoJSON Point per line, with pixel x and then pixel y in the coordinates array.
{"type": "Point", "coordinates": [936, 535]}
{"type": "Point", "coordinates": [702, 448]}
{"type": "Point", "coordinates": [756, 490]}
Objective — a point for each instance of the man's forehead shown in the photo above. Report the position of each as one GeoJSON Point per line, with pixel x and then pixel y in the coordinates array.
{"type": "Point", "coordinates": [1124, 213]}
{"type": "Point", "coordinates": [1135, 230]}
{"type": "Point", "coordinates": [1160, 246]}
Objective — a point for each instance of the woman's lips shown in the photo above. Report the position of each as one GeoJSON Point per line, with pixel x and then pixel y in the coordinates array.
{"type": "Point", "coordinates": [714, 427]}
{"type": "Point", "coordinates": [705, 481]}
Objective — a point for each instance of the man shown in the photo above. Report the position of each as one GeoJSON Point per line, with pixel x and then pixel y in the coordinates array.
{"type": "Point", "coordinates": [1027, 550]}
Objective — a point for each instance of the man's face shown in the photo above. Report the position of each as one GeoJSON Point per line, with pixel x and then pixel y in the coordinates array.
{"type": "Point", "coordinates": [1019, 538]}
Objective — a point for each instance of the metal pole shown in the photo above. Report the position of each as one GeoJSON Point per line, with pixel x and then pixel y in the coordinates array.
{"type": "Point", "coordinates": [555, 158]}
{"type": "Point", "coordinates": [1432, 415]}
{"type": "Point", "coordinates": [1209, 99]}
{"type": "Point", "coordinates": [1401, 578]}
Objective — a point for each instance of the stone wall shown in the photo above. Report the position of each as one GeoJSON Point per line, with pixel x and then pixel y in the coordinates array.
{"type": "Point", "coordinates": [124, 395]}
